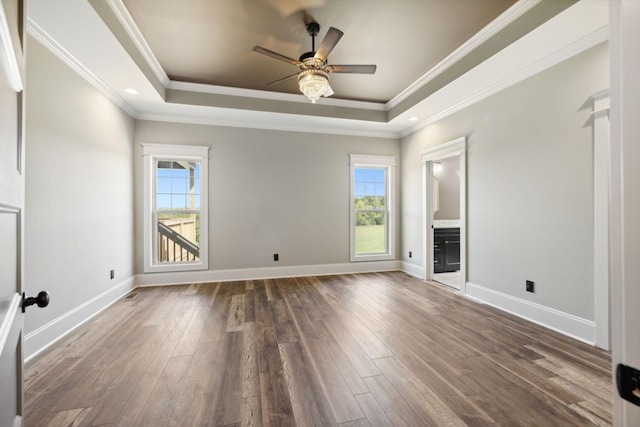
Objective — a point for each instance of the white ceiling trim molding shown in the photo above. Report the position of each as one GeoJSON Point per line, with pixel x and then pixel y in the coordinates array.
{"type": "Point", "coordinates": [498, 24]}
{"type": "Point", "coordinates": [8, 55]}
{"type": "Point", "coordinates": [446, 150]}
{"type": "Point", "coordinates": [210, 120]}
{"type": "Point", "coordinates": [125, 18]}
{"type": "Point", "coordinates": [328, 127]}
{"type": "Point", "coordinates": [60, 52]}
{"type": "Point", "coordinates": [500, 62]}
{"type": "Point", "coordinates": [276, 96]}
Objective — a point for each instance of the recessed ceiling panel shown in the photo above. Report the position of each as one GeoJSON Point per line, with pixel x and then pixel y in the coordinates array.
{"type": "Point", "coordinates": [211, 41]}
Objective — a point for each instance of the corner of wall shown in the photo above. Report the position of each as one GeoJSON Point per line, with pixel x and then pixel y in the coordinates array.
{"type": "Point", "coordinates": [42, 338]}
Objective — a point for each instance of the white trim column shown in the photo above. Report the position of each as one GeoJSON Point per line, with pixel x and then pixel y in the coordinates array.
{"type": "Point", "coordinates": [601, 156]}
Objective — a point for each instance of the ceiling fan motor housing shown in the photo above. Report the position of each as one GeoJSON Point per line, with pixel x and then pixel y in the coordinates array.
{"type": "Point", "coordinates": [306, 55]}
{"type": "Point", "coordinates": [313, 28]}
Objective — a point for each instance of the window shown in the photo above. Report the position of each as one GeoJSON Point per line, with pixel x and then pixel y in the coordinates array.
{"type": "Point", "coordinates": [175, 208]}
{"type": "Point", "coordinates": [372, 207]}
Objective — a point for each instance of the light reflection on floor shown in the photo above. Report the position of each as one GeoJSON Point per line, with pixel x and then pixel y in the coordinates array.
{"type": "Point", "coordinates": [450, 279]}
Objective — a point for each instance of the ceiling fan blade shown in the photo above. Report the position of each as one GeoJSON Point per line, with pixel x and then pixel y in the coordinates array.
{"type": "Point", "coordinates": [356, 69]}
{"type": "Point", "coordinates": [330, 41]}
{"type": "Point", "coordinates": [275, 55]}
{"type": "Point", "coordinates": [282, 80]}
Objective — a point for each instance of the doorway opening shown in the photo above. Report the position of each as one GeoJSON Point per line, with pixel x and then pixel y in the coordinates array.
{"type": "Point", "coordinates": [446, 221]}
{"type": "Point", "coordinates": [444, 173]}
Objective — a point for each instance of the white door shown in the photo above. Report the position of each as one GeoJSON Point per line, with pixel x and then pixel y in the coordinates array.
{"type": "Point", "coordinates": [625, 204]}
{"type": "Point", "coordinates": [11, 210]}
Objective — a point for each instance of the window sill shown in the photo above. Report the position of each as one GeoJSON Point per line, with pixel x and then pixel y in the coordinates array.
{"type": "Point", "coordinates": [377, 257]}
{"type": "Point", "coordinates": [175, 267]}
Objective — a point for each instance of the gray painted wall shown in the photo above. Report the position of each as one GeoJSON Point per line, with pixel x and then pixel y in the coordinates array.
{"type": "Point", "coordinates": [530, 189]}
{"type": "Point", "coordinates": [449, 192]}
{"type": "Point", "coordinates": [79, 188]}
{"type": "Point", "coordinates": [270, 192]}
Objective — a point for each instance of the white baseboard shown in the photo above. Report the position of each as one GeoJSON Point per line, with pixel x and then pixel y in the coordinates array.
{"type": "Point", "coordinates": [206, 276]}
{"type": "Point", "coordinates": [37, 341]}
{"type": "Point", "coordinates": [565, 323]}
{"type": "Point", "coordinates": [412, 269]}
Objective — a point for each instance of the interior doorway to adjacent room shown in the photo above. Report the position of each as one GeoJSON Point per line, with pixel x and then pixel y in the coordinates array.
{"type": "Point", "coordinates": [445, 209]}
{"type": "Point", "coordinates": [446, 221]}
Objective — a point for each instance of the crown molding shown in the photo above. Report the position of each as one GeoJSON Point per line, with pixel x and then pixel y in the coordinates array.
{"type": "Point", "coordinates": [276, 96]}
{"type": "Point", "coordinates": [8, 56]}
{"type": "Point", "coordinates": [65, 56]}
{"type": "Point", "coordinates": [590, 40]}
{"type": "Point", "coordinates": [129, 25]}
{"type": "Point", "coordinates": [498, 24]}
{"type": "Point", "coordinates": [212, 121]}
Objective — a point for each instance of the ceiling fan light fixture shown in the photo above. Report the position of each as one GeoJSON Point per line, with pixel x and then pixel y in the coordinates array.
{"type": "Point", "coordinates": [314, 83]}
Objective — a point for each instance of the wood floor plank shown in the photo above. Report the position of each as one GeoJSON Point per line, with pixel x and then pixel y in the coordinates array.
{"type": "Point", "coordinates": [121, 380]}
{"type": "Point", "coordinates": [250, 369]}
{"type": "Point", "coordinates": [349, 373]}
{"type": "Point", "coordinates": [342, 402]}
{"type": "Point", "coordinates": [395, 407]}
{"type": "Point", "coordinates": [372, 410]}
{"type": "Point", "coordinates": [503, 394]}
{"type": "Point", "coordinates": [275, 400]}
{"type": "Point", "coordinates": [362, 422]}
{"type": "Point", "coordinates": [70, 418]}
{"type": "Point", "coordinates": [145, 386]}
{"type": "Point", "coordinates": [199, 392]}
{"type": "Point", "coordinates": [375, 349]}
{"type": "Point", "coordinates": [438, 377]}
{"type": "Point", "coordinates": [283, 321]}
{"type": "Point", "coordinates": [60, 396]}
{"type": "Point", "coordinates": [235, 319]}
{"type": "Point", "coordinates": [157, 408]}
{"type": "Point", "coordinates": [191, 334]}
{"type": "Point", "coordinates": [419, 395]}
{"type": "Point", "coordinates": [310, 407]}
{"type": "Point", "coordinates": [251, 412]}
{"type": "Point", "coordinates": [356, 354]}
{"type": "Point", "coordinates": [229, 407]}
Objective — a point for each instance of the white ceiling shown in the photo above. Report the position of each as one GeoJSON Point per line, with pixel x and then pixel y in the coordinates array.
{"type": "Point", "coordinates": [195, 64]}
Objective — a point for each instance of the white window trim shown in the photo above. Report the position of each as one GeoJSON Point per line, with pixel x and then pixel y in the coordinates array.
{"type": "Point", "coordinates": [388, 162]}
{"type": "Point", "coordinates": [150, 153]}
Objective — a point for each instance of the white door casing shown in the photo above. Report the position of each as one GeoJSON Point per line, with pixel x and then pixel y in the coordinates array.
{"type": "Point", "coordinates": [624, 223]}
{"type": "Point", "coordinates": [457, 147]}
{"type": "Point", "coordinates": [11, 209]}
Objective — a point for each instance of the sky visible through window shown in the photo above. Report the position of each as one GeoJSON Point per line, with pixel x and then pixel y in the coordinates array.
{"type": "Point", "coordinates": [173, 185]}
{"type": "Point", "coordinates": [369, 182]}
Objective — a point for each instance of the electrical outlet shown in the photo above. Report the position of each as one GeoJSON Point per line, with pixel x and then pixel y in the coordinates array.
{"type": "Point", "coordinates": [112, 274]}
{"type": "Point", "coordinates": [530, 286]}
{"type": "Point", "coordinates": [410, 254]}
{"type": "Point", "coordinates": [275, 257]}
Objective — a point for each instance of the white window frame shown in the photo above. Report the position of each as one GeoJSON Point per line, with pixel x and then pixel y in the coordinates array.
{"type": "Point", "coordinates": [389, 164]}
{"type": "Point", "coordinates": [151, 154]}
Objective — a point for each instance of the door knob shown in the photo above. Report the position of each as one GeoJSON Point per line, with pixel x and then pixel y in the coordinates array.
{"type": "Point", "coordinates": [42, 300]}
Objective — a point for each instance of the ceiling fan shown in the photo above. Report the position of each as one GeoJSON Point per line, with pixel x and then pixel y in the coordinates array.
{"type": "Point", "coordinates": [313, 79]}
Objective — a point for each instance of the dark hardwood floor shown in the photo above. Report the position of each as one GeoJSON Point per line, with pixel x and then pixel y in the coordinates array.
{"type": "Point", "coordinates": [352, 350]}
